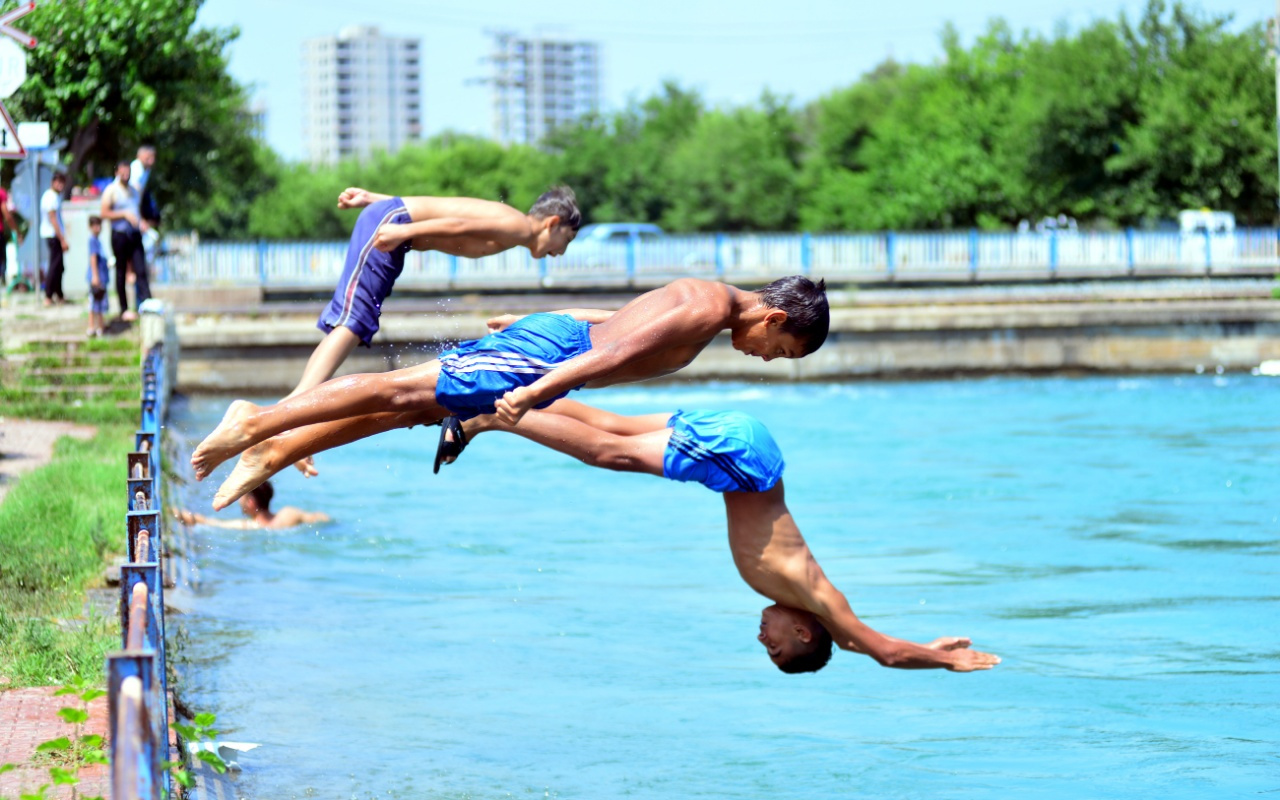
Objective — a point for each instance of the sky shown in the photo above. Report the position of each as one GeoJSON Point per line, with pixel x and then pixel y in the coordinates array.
{"type": "Point", "coordinates": [730, 52]}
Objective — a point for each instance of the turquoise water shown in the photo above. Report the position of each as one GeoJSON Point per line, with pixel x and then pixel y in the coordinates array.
{"type": "Point", "coordinates": [524, 626]}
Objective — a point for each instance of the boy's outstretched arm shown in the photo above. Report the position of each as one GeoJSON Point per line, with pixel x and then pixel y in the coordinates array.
{"type": "Point", "coordinates": [509, 231]}
{"type": "Point", "coordinates": [850, 633]}
{"type": "Point", "coordinates": [355, 197]}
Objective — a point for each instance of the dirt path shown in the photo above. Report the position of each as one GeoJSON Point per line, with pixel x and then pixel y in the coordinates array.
{"type": "Point", "coordinates": [26, 444]}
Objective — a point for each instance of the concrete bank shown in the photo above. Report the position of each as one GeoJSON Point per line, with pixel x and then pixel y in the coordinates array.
{"type": "Point", "coordinates": [264, 350]}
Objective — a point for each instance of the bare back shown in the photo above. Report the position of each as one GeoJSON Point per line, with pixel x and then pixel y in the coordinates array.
{"type": "Point", "coordinates": [429, 208]}
{"type": "Point", "coordinates": [703, 309]}
{"type": "Point", "coordinates": [768, 550]}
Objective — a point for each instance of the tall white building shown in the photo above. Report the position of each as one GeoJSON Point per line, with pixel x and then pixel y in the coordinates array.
{"type": "Point", "coordinates": [362, 91]}
{"type": "Point", "coordinates": [541, 83]}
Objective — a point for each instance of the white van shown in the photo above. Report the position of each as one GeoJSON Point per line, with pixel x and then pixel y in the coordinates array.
{"type": "Point", "coordinates": [1214, 229]}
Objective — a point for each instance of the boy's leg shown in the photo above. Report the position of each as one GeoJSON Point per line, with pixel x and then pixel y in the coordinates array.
{"type": "Point", "coordinates": [608, 421]}
{"type": "Point", "coordinates": [263, 460]}
{"type": "Point", "coordinates": [120, 249]}
{"type": "Point", "coordinates": [142, 282]}
{"type": "Point", "coordinates": [642, 452]}
{"type": "Point", "coordinates": [326, 358]}
{"type": "Point", "coordinates": [409, 389]}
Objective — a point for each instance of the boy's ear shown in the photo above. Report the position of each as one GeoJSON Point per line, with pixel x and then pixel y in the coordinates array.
{"type": "Point", "coordinates": [551, 222]}
{"type": "Point", "coordinates": [776, 316]}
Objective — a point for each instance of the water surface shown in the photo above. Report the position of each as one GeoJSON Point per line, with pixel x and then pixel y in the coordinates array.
{"type": "Point", "coordinates": [524, 626]}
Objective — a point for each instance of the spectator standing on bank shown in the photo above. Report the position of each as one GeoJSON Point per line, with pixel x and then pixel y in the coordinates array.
{"type": "Point", "coordinates": [7, 224]}
{"type": "Point", "coordinates": [120, 204]}
{"type": "Point", "coordinates": [97, 278]}
{"type": "Point", "coordinates": [55, 237]}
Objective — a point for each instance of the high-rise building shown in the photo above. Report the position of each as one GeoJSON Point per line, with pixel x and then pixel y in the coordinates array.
{"type": "Point", "coordinates": [361, 92]}
{"type": "Point", "coordinates": [541, 83]}
{"type": "Point", "coordinates": [254, 117]}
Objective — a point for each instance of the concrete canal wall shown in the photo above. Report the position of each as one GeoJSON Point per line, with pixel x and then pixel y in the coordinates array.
{"type": "Point", "coordinates": [263, 349]}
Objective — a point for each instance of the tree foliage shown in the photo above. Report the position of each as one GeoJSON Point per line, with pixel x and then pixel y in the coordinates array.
{"type": "Point", "coordinates": [109, 75]}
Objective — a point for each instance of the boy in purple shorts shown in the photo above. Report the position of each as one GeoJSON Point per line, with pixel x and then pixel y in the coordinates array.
{"type": "Point", "coordinates": [97, 278]}
{"type": "Point", "coordinates": [389, 227]}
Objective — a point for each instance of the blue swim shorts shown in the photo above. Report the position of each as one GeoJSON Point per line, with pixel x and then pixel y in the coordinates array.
{"type": "Point", "coordinates": [474, 375]}
{"type": "Point", "coordinates": [725, 451]}
{"type": "Point", "coordinates": [369, 273]}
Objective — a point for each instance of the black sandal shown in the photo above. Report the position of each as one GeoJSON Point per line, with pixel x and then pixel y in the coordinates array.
{"type": "Point", "coordinates": [449, 448]}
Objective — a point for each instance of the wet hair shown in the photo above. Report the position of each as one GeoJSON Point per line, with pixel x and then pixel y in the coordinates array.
{"type": "Point", "coordinates": [558, 201]}
{"type": "Point", "coordinates": [94, 219]}
{"type": "Point", "coordinates": [262, 495]}
{"type": "Point", "coordinates": [815, 657]}
{"type": "Point", "coordinates": [808, 315]}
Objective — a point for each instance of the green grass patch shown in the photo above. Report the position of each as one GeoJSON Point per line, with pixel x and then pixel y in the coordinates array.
{"type": "Point", "coordinates": [57, 526]}
{"type": "Point", "coordinates": [101, 410]}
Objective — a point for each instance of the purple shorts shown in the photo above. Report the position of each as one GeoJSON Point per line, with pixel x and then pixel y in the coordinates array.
{"type": "Point", "coordinates": [369, 273]}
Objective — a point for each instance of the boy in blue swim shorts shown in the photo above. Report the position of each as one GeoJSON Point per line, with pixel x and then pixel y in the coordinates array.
{"type": "Point", "coordinates": [529, 364]}
{"type": "Point", "coordinates": [734, 454]}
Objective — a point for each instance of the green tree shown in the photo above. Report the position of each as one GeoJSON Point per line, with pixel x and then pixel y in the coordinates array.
{"type": "Point", "coordinates": [109, 75]}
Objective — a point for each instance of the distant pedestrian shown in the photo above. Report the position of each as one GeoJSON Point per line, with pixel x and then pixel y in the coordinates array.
{"type": "Point", "coordinates": [120, 204]}
{"type": "Point", "coordinates": [7, 224]}
{"type": "Point", "coordinates": [97, 278]}
{"type": "Point", "coordinates": [140, 179]}
{"type": "Point", "coordinates": [55, 237]}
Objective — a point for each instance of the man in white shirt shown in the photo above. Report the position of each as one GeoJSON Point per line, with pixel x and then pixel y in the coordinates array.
{"type": "Point", "coordinates": [139, 176]}
{"type": "Point", "coordinates": [55, 237]}
{"type": "Point", "coordinates": [120, 205]}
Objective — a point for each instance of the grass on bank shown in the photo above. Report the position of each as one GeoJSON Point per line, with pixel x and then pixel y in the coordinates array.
{"type": "Point", "coordinates": [57, 525]}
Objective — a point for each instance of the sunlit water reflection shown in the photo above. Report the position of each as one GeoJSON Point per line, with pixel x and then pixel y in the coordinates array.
{"type": "Point", "coordinates": [524, 626]}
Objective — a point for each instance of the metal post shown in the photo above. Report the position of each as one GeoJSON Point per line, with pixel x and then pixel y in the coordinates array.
{"type": "Point", "coordinates": [973, 254]}
{"type": "Point", "coordinates": [631, 255]}
{"type": "Point", "coordinates": [1208, 251]}
{"type": "Point", "coordinates": [453, 271]}
{"type": "Point", "coordinates": [1053, 254]}
{"type": "Point", "coordinates": [891, 249]}
{"type": "Point", "coordinates": [262, 263]}
{"type": "Point", "coordinates": [1129, 249]}
{"type": "Point", "coordinates": [806, 253]}
{"type": "Point", "coordinates": [720, 241]}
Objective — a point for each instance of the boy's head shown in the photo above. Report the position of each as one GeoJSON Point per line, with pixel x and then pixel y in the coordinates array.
{"type": "Point", "coordinates": [795, 324]}
{"type": "Point", "coordinates": [59, 181]}
{"type": "Point", "coordinates": [795, 640]}
{"type": "Point", "coordinates": [123, 168]}
{"type": "Point", "coordinates": [95, 224]}
{"type": "Point", "coordinates": [557, 214]}
{"type": "Point", "coordinates": [258, 499]}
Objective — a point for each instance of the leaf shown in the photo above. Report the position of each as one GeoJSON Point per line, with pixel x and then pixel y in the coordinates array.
{"type": "Point", "coordinates": [206, 719]}
{"type": "Point", "coordinates": [54, 745]}
{"type": "Point", "coordinates": [183, 777]}
{"type": "Point", "coordinates": [65, 690]}
{"type": "Point", "coordinates": [95, 757]}
{"type": "Point", "coordinates": [187, 732]}
{"type": "Point", "coordinates": [75, 716]}
{"type": "Point", "coordinates": [7, 767]}
{"type": "Point", "coordinates": [213, 760]}
{"type": "Point", "coordinates": [92, 694]}
{"type": "Point", "coordinates": [91, 740]}
{"type": "Point", "coordinates": [63, 777]}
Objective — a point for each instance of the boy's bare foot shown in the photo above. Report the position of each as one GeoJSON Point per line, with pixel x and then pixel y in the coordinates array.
{"type": "Point", "coordinates": [226, 440]}
{"type": "Point", "coordinates": [254, 467]}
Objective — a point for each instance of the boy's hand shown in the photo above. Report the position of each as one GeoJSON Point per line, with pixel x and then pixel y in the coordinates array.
{"type": "Point", "coordinates": [963, 659]}
{"type": "Point", "coordinates": [513, 405]}
{"type": "Point", "coordinates": [97, 284]}
{"type": "Point", "coordinates": [501, 322]}
{"type": "Point", "coordinates": [65, 245]}
{"type": "Point", "coordinates": [307, 467]}
{"type": "Point", "coordinates": [389, 237]}
{"type": "Point", "coordinates": [354, 197]}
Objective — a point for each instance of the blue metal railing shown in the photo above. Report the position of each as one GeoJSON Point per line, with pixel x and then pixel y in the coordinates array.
{"type": "Point", "coordinates": [886, 257]}
{"type": "Point", "coordinates": [137, 683]}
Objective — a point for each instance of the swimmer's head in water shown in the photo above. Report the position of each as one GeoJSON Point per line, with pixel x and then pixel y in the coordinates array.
{"type": "Point", "coordinates": [559, 206]}
{"type": "Point", "coordinates": [257, 499]}
{"type": "Point", "coordinates": [795, 640]}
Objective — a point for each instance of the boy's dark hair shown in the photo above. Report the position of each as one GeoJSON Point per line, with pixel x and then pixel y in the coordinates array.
{"type": "Point", "coordinates": [815, 659]}
{"type": "Point", "coordinates": [808, 315]}
{"type": "Point", "coordinates": [124, 162]}
{"type": "Point", "coordinates": [262, 495]}
{"type": "Point", "coordinates": [94, 219]}
{"type": "Point", "coordinates": [558, 201]}
{"type": "Point", "coordinates": [58, 175]}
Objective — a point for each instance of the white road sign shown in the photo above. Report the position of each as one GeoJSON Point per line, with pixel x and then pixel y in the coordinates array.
{"type": "Point", "coordinates": [10, 147]}
{"type": "Point", "coordinates": [13, 66]}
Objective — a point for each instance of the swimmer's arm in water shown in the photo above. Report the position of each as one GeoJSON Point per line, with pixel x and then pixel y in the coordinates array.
{"type": "Point", "coordinates": [191, 518]}
{"type": "Point", "coordinates": [355, 197]}
{"type": "Point", "coordinates": [289, 516]}
{"type": "Point", "coordinates": [507, 230]}
{"type": "Point", "coordinates": [593, 315]}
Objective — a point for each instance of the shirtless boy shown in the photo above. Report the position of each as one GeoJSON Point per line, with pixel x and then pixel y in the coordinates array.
{"type": "Point", "coordinates": [256, 507]}
{"type": "Point", "coordinates": [733, 453]}
{"type": "Point", "coordinates": [389, 227]}
{"type": "Point", "coordinates": [531, 363]}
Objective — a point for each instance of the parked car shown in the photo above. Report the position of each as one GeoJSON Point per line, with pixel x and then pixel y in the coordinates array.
{"type": "Point", "coordinates": [606, 244]}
